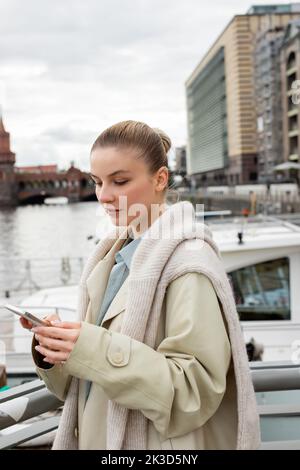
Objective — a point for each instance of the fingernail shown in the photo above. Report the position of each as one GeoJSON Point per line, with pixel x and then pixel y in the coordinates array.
{"type": "Point", "coordinates": [37, 348]}
{"type": "Point", "coordinates": [37, 337]}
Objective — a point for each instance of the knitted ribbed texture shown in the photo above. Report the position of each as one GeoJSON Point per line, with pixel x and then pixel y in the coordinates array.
{"type": "Point", "coordinates": [156, 263]}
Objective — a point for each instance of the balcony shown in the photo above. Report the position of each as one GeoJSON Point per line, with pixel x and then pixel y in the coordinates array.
{"type": "Point", "coordinates": [291, 70]}
{"type": "Point", "coordinates": [294, 156]}
{"type": "Point", "coordinates": [293, 111]}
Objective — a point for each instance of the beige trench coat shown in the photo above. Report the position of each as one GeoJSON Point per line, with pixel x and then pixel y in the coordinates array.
{"type": "Point", "coordinates": [185, 386]}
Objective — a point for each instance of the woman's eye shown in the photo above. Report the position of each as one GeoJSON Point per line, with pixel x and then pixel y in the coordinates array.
{"type": "Point", "coordinates": [98, 183]}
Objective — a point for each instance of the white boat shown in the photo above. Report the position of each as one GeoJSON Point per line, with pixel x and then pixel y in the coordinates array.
{"type": "Point", "coordinates": [265, 274]}
{"type": "Point", "coordinates": [56, 200]}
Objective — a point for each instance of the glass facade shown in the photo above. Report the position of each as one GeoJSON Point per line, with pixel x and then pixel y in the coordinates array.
{"type": "Point", "coordinates": [207, 117]}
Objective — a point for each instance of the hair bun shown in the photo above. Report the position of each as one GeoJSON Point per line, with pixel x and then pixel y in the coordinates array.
{"type": "Point", "coordinates": [166, 141]}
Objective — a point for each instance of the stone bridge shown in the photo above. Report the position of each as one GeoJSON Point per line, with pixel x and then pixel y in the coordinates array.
{"type": "Point", "coordinates": [34, 187]}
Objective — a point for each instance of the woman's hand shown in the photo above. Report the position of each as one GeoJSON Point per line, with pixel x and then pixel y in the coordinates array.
{"type": "Point", "coordinates": [57, 342]}
{"type": "Point", "coordinates": [28, 325]}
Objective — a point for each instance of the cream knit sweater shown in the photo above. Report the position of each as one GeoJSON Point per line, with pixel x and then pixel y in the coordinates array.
{"type": "Point", "coordinates": [172, 246]}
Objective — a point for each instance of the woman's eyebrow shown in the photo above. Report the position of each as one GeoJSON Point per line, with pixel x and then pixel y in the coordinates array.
{"type": "Point", "coordinates": [112, 174]}
{"type": "Point", "coordinates": [93, 176]}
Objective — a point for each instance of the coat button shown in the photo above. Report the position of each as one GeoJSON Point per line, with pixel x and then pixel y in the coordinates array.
{"type": "Point", "coordinates": [118, 357]}
{"type": "Point", "coordinates": [76, 432]}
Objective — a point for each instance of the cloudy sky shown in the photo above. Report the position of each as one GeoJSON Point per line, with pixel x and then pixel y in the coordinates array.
{"type": "Point", "coordinates": [71, 68]}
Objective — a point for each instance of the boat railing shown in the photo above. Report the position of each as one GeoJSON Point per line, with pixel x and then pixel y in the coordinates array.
{"type": "Point", "coordinates": [32, 399]}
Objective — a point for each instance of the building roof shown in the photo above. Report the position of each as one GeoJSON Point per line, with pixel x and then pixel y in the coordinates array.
{"type": "Point", "coordinates": [275, 8]}
{"type": "Point", "coordinates": [38, 168]}
{"type": "Point", "coordinates": [292, 30]}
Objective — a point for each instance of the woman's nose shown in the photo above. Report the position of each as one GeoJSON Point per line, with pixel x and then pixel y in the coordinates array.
{"type": "Point", "coordinates": [104, 195]}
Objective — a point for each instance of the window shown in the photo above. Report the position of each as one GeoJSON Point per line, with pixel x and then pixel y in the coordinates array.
{"type": "Point", "coordinates": [293, 123]}
{"type": "Point", "coordinates": [262, 291]}
{"type": "Point", "coordinates": [260, 124]}
{"type": "Point", "coordinates": [290, 80]}
{"type": "Point", "coordinates": [253, 176]}
{"type": "Point", "coordinates": [291, 62]}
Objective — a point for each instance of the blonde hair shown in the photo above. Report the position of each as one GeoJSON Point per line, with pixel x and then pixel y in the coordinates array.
{"type": "Point", "coordinates": [152, 143]}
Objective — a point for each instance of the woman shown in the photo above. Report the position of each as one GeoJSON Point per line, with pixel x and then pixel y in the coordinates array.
{"type": "Point", "coordinates": [157, 360]}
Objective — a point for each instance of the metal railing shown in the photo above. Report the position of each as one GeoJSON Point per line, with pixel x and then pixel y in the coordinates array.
{"type": "Point", "coordinates": [267, 377]}
{"type": "Point", "coordinates": [29, 275]}
{"type": "Point", "coordinates": [277, 377]}
{"type": "Point", "coordinates": [273, 377]}
{"type": "Point", "coordinates": [22, 403]}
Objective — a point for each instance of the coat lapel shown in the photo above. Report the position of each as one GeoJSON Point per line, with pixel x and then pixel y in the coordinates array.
{"type": "Point", "coordinates": [118, 304]}
{"type": "Point", "coordinates": [96, 285]}
{"type": "Point", "coordinates": [97, 281]}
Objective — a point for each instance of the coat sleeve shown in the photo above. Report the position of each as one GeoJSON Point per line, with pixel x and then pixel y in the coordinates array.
{"type": "Point", "coordinates": [180, 385]}
{"type": "Point", "coordinates": [56, 379]}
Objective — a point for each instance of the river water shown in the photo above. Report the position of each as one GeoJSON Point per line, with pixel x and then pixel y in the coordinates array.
{"type": "Point", "coordinates": [45, 235]}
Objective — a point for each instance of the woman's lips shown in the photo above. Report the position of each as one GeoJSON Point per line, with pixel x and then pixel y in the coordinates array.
{"type": "Point", "coordinates": [113, 211]}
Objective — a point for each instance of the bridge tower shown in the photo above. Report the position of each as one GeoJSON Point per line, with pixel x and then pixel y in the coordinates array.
{"type": "Point", "coordinates": [8, 190]}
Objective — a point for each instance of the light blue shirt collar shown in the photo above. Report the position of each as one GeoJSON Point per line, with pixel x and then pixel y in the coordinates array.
{"type": "Point", "coordinates": [126, 253]}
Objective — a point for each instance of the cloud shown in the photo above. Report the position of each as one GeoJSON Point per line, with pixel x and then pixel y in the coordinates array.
{"type": "Point", "coordinates": [66, 134]}
{"type": "Point", "coordinates": [71, 68]}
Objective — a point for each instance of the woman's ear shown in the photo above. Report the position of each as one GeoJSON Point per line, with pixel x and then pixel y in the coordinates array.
{"type": "Point", "coordinates": [162, 178]}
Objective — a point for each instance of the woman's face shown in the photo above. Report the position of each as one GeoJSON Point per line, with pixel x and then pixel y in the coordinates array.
{"type": "Point", "coordinates": [122, 181]}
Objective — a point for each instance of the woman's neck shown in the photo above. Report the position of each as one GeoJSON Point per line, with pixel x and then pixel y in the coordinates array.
{"type": "Point", "coordinates": [137, 229]}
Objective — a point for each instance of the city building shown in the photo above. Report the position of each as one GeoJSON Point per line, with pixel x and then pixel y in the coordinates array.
{"type": "Point", "coordinates": [268, 101]}
{"type": "Point", "coordinates": [7, 174]}
{"type": "Point", "coordinates": [222, 145]}
{"type": "Point", "coordinates": [180, 160]}
{"type": "Point", "coordinates": [290, 73]}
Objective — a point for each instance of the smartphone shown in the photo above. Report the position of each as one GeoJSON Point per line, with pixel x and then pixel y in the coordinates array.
{"type": "Point", "coordinates": [29, 316]}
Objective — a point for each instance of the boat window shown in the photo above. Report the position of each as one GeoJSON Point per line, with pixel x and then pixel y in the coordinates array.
{"type": "Point", "coordinates": [262, 291]}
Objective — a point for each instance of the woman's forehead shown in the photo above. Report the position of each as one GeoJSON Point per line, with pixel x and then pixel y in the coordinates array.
{"type": "Point", "coordinates": [108, 161]}
{"type": "Point", "coordinates": [114, 173]}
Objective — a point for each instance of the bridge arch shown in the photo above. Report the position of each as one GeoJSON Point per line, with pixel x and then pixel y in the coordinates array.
{"type": "Point", "coordinates": [34, 198]}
